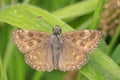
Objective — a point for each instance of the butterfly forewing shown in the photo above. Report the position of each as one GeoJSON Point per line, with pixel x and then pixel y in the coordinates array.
{"type": "Point", "coordinates": [27, 40]}
{"type": "Point", "coordinates": [71, 57]}
{"type": "Point", "coordinates": [86, 40]}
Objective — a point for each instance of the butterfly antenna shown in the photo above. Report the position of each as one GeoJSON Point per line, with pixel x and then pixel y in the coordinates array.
{"type": "Point", "coordinates": [49, 23]}
{"type": "Point", "coordinates": [45, 20]}
{"type": "Point", "coordinates": [63, 25]}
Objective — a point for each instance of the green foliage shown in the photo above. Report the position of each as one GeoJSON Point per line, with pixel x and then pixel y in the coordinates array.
{"type": "Point", "coordinates": [103, 63]}
{"type": "Point", "coordinates": [116, 54]}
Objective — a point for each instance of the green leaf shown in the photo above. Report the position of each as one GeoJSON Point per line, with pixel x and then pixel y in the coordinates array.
{"type": "Point", "coordinates": [37, 75]}
{"type": "Point", "coordinates": [101, 67]}
{"type": "Point", "coordinates": [116, 54]}
{"type": "Point", "coordinates": [6, 48]}
{"type": "Point", "coordinates": [4, 36]}
{"type": "Point", "coordinates": [53, 75]}
{"type": "Point", "coordinates": [84, 22]}
{"type": "Point", "coordinates": [103, 47]}
{"type": "Point", "coordinates": [3, 75]}
{"type": "Point", "coordinates": [97, 14]}
{"type": "Point", "coordinates": [114, 40]}
{"type": "Point", "coordinates": [76, 9]}
{"type": "Point", "coordinates": [27, 17]}
{"type": "Point", "coordinates": [50, 5]}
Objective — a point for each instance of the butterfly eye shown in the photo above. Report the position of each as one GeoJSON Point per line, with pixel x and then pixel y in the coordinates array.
{"type": "Point", "coordinates": [57, 30]}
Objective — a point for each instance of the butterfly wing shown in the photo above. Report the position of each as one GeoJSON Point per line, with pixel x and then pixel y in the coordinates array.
{"type": "Point", "coordinates": [27, 40]}
{"type": "Point", "coordinates": [36, 47]}
{"type": "Point", "coordinates": [40, 58]}
{"type": "Point", "coordinates": [71, 57]}
{"type": "Point", "coordinates": [86, 40]}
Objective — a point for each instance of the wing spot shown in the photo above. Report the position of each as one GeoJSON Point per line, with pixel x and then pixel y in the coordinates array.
{"type": "Point", "coordinates": [68, 37]}
{"type": "Point", "coordinates": [82, 34]}
{"type": "Point", "coordinates": [78, 65]}
{"type": "Point", "coordinates": [82, 43]}
{"type": "Point", "coordinates": [30, 44]}
{"type": "Point", "coordinates": [40, 35]}
{"type": "Point", "coordinates": [72, 35]}
{"type": "Point", "coordinates": [30, 34]}
{"type": "Point", "coordinates": [30, 57]}
{"type": "Point", "coordinates": [21, 31]}
{"type": "Point", "coordinates": [74, 40]}
{"type": "Point", "coordinates": [23, 47]}
{"type": "Point", "coordinates": [38, 40]}
{"type": "Point", "coordinates": [73, 53]}
{"type": "Point", "coordinates": [68, 67]}
{"type": "Point", "coordinates": [34, 57]}
{"type": "Point", "coordinates": [36, 62]}
{"type": "Point", "coordinates": [89, 46]}
{"type": "Point", "coordinates": [34, 66]}
{"type": "Point", "coordinates": [40, 63]}
{"type": "Point", "coordinates": [72, 63]}
{"type": "Point", "coordinates": [78, 57]}
{"type": "Point", "coordinates": [21, 36]}
{"type": "Point", "coordinates": [43, 67]}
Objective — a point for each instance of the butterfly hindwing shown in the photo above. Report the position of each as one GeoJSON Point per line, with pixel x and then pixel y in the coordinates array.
{"type": "Point", "coordinates": [71, 57]}
{"type": "Point", "coordinates": [40, 58]}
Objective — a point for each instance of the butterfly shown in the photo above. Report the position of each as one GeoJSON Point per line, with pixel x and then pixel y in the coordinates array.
{"type": "Point", "coordinates": [46, 52]}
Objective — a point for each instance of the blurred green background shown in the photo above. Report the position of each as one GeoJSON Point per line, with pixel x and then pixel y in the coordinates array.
{"type": "Point", "coordinates": [71, 15]}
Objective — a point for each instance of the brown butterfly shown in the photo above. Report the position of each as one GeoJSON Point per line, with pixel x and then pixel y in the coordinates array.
{"type": "Point", "coordinates": [68, 51]}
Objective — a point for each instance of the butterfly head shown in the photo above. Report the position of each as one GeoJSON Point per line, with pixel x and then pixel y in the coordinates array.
{"type": "Point", "coordinates": [57, 30]}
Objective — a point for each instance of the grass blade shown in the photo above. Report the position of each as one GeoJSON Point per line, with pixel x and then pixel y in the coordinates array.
{"type": "Point", "coordinates": [77, 9]}
{"type": "Point", "coordinates": [97, 14]}
{"type": "Point", "coordinates": [101, 67]}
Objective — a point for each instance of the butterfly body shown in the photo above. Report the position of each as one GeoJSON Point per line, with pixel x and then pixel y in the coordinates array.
{"type": "Point", "coordinates": [56, 48]}
{"type": "Point", "coordinates": [68, 51]}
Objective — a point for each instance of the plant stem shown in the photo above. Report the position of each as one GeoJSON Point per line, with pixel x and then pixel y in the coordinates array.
{"type": "Point", "coordinates": [114, 39]}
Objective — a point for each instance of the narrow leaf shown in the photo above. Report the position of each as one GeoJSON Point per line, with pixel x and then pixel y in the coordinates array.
{"type": "Point", "coordinates": [76, 9]}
